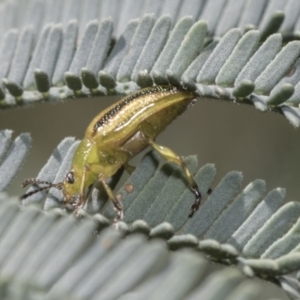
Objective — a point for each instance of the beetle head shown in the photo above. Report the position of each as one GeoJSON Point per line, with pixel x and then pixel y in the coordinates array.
{"type": "Point", "coordinates": [71, 188]}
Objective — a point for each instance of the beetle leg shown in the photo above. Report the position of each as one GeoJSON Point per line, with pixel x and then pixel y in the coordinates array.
{"type": "Point", "coordinates": [98, 169]}
{"type": "Point", "coordinates": [117, 204]}
{"type": "Point", "coordinates": [170, 155]}
{"type": "Point", "coordinates": [94, 169]}
{"type": "Point", "coordinates": [81, 201]}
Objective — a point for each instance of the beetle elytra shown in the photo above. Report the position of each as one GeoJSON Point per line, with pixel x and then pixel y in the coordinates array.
{"type": "Point", "coordinates": [116, 135]}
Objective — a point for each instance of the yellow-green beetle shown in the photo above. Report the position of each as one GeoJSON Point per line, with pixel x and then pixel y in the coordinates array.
{"type": "Point", "coordinates": [116, 135]}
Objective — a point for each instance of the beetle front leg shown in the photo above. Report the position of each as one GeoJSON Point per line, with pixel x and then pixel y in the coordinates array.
{"type": "Point", "coordinates": [170, 155]}
{"type": "Point", "coordinates": [97, 169]}
{"type": "Point", "coordinates": [82, 198]}
{"type": "Point", "coordinates": [117, 204]}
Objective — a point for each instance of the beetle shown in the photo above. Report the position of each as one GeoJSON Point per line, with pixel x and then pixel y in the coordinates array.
{"type": "Point", "coordinates": [116, 135]}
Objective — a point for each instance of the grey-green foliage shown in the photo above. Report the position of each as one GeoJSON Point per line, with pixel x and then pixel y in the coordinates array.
{"type": "Point", "coordinates": [158, 194]}
{"type": "Point", "coordinates": [53, 50]}
{"type": "Point", "coordinates": [241, 66]}
{"type": "Point", "coordinates": [234, 224]}
{"type": "Point", "coordinates": [221, 15]}
{"type": "Point", "coordinates": [50, 256]}
{"type": "Point", "coordinates": [12, 155]}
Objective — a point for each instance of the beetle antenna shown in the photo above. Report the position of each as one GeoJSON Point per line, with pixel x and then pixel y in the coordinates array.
{"type": "Point", "coordinates": [40, 189]}
{"type": "Point", "coordinates": [34, 181]}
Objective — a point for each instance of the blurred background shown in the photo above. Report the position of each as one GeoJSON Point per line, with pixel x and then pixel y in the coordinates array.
{"type": "Point", "coordinates": [233, 136]}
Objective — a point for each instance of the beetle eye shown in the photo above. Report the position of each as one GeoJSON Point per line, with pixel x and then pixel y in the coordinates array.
{"type": "Point", "coordinates": [70, 177]}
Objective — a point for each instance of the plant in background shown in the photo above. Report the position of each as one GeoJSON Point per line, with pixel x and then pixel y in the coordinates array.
{"type": "Point", "coordinates": [227, 50]}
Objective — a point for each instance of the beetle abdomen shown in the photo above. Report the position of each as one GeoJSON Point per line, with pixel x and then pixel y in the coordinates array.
{"type": "Point", "coordinates": [117, 107]}
{"type": "Point", "coordinates": [122, 120]}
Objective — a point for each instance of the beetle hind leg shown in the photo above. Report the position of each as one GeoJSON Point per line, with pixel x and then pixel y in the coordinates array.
{"type": "Point", "coordinates": [170, 155]}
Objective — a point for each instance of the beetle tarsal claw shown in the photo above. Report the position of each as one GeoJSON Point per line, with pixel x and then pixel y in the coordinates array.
{"type": "Point", "coordinates": [78, 202]}
{"type": "Point", "coordinates": [119, 216]}
{"type": "Point", "coordinates": [197, 202]}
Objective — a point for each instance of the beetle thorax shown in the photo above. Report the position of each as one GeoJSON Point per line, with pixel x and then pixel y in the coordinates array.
{"type": "Point", "coordinates": [86, 153]}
